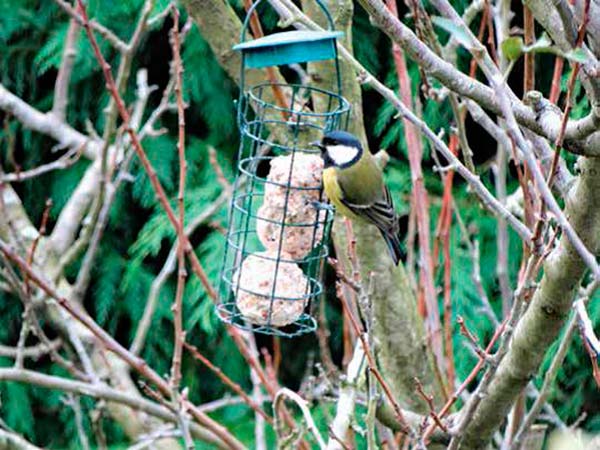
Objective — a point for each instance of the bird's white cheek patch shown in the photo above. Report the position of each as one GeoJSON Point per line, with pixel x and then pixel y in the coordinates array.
{"type": "Point", "coordinates": [341, 154]}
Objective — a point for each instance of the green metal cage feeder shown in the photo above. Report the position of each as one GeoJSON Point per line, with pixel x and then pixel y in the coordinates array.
{"type": "Point", "coordinates": [277, 238]}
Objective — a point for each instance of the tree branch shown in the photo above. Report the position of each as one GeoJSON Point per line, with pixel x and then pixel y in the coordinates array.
{"type": "Point", "coordinates": [65, 161]}
{"type": "Point", "coordinates": [106, 33]}
{"type": "Point", "coordinates": [12, 441]}
{"type": "Point", "coordinates": [113, 346]}
{"type": "Point", "coordinates": [547, 312]}
{"type": "Point", "coordinates": [449, 76]}
{"type": "Point", "coordinates": [63, 78]}
{"type": "Point", "coordinates": [101, 390]}
{"type": "Point", "coordinates": [35, 352]}
{"type": "Point", "coordinates": [47, 124]}
{"type": "Point", "coordinates": [549, 378]}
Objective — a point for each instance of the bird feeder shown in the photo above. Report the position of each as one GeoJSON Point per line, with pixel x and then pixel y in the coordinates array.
{"type": "Point", "coordinates": [279, 220]}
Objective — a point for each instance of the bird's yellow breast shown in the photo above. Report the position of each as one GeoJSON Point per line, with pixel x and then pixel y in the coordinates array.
{"type": "Point", "coordinates": [334, 192]}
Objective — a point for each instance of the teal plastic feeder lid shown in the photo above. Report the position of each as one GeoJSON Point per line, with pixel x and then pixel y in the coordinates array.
{"type": "Point", "coordinates": [289, 47]}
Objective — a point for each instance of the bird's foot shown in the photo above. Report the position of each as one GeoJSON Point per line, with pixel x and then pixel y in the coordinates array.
{"type": "Point", "coordinates": [322, 205]}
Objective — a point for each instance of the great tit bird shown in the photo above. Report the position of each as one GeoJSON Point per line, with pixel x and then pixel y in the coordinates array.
{"type": "Point", "coordinates": [354, 184]}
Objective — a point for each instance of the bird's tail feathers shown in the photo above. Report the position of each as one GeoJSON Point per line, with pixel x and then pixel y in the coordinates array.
{"type": "Point", "coordinates": [394, 245]}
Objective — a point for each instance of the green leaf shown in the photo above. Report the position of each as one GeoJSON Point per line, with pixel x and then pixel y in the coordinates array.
{"type": "Point", "coordinates": [512, 47]}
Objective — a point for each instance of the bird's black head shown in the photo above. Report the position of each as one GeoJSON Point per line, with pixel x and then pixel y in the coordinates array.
{"type": "Point", "coordinates": [339, 137]}
{"type": "Point", "coordinates": [340, 149]}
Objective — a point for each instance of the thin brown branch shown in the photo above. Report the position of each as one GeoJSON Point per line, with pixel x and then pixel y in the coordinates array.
{"type": "Point", "coordinates": [146, 164]}
{"type": "Point", "coordinates": [429, 400]}
{"type": "Point", "coordinates": [421, 202]}
{"type": "Point", "coordinates": [136, 363]}
{"type": "Point", "coordinates": [443, 234]}
{"type": "Point", "coordinates": [36, 241]}
{"type": "Point", "coordinates": [472, 338]}
{"type": "Point", "coordinates": [27, 313]}
{"type": "Point", "coordinates": [235, 387]}
{"type": "Point", "coordinates": [106, 33]}
{"type": "Point", "coordinates": [214, 162]}
{"type": "Point", "coordinates": [568, 100]}
{"type": "Point", "coordinates": [177, 307]}
{"type": "Point", "coordinates": [529, 72]}
{"type": "Point", "coordinates": [468, 380]}
{"type": "Point", "coordinates": [371, 359]}
{"type": "Point", "coordinates": [556, 76]}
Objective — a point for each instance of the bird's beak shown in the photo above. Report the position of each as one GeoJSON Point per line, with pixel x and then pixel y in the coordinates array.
{"type": "Point", "coordinates": [318, 145]}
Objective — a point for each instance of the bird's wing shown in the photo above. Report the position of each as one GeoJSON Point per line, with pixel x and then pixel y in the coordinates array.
{"type": "Point", "coordinates": [381, 212]}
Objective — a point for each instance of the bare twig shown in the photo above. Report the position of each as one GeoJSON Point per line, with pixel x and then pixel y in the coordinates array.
{"type": "Point", "coordinates": [27, 313]}
{"type": "Point", "coordinates": [443, 235]}
{"type": "Point", "coordinates": [590, 340]}
{"type": "Point", "coordinates": [47, 124]}
{"type": "Point", "coordinates": [111, 112]}
{"type": "Point", "coordinates": [421, 202]}
{"type": "Point", "coordinates": [568, 100]}
{"type": "Point", "coordinates": [112, 345]}
{"type": "Point", "coordinates": [148, 440]}
{"type": "Point", "coordinates": [488, 200]}
{"type": "Point", "coordinates": [227, 381]}
{"type": "Point", "coordinates": [167, 270]}
{"type": "Point", "coordinates": [529, 72]}
{"type": "Point", "coordinates": [181, 273]}
{"type": "Point", "coordinates": [303, 405]}
{"type": "Point", "coordinates": [106, 33]}
{"type": "Point", "coordinates": [214, 162]}
{"type": "Point", "coordinates": [147, 165]}
{"type": "Point", "coordinates": [260, 436]}
{"type": "Point", "coordinates": [35, 352]}
{"type": "Point", "coordinates": [371, 359]}
{"type": "Point", "coordinates": [63, 78]}
{"type": "Point", "coordinates": [65, 161]}
{"type": "Point", "coordinates": [546, 193]}
{"type": "Point", "coordinates": [14, 441]}
{"type": "Point", "coordinates": [556, 76]}
{"type": "Point", "coordinates": [73, 402]}
{"type": "Point", "coordinates": [36, 241]}
{"type": "Point", "coordinates": [521, 294]}
{"type": "Point", "coordinates": [456, 395]}
{"type": "Point", "coordinates": [101, 390]}
{"type": "Point", "coordinates": [429, 400]}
